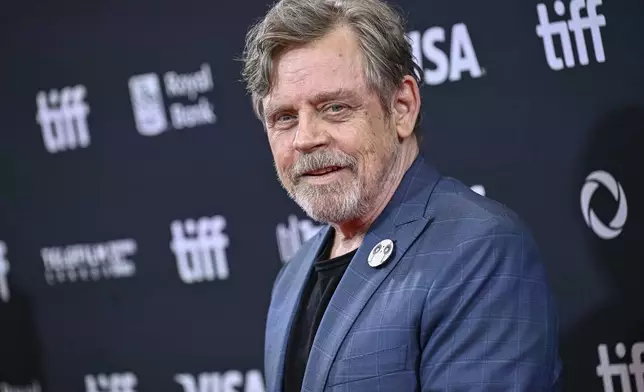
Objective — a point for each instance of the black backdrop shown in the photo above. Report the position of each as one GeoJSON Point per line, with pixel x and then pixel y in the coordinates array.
{"type": "Point", "coordinates": [128, 148]}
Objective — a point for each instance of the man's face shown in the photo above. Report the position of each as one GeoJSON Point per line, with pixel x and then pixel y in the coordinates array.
{"type": "Point", "coordinates": [331, 143]}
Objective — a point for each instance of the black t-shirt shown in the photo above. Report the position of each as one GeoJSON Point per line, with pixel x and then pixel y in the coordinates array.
{"type": "Point", "coordinates": [315, 298]}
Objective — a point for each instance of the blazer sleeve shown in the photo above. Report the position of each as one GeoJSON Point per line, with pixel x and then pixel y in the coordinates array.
{"type": "Point", "coordinates": [489, 322]}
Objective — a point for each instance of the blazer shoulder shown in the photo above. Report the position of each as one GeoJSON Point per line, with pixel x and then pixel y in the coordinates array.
{"type": "Point", "coordinates": [456, 208]}
{"type": "Point", "coordinates": [474, 233]}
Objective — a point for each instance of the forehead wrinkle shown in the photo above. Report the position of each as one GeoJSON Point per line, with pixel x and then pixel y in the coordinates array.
{"type": "Point", "coordinates": [304, 80]}
{"type": "Point", "coordinates": [276, 95]}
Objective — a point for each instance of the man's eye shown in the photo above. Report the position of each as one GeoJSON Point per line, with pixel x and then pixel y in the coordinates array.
{"type": "Point", "coordinates": [283, 117]}
{"type": "Point", "coordinates": [336, 107]}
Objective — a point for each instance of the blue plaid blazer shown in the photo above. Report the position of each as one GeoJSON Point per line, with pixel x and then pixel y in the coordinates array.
{"type": "Point", "coordinates": [462, 305]}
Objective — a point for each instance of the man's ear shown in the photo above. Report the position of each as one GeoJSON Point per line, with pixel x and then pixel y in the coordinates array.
{"type": "Point", "coordinates": [406, 106]}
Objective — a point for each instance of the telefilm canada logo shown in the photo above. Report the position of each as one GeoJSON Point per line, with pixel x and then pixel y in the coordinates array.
{"type": "Point", "coordinates": [34, 386]}
{"type": "Point", "coordinates": [183, 94]}
{"type": "Point", "coordinates": [89, 262]}
{"type": "Point", "coordinates": [594, 181]}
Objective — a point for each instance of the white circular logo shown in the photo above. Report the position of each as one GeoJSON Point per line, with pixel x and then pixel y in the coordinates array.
{"type": "Point", "coordinates": [614, 228]}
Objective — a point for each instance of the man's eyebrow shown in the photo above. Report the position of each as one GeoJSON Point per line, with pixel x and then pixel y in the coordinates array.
{"type": "Point", "coordinates": [340, 93]}
{"type": "Point", "coordinates": [334, 94]}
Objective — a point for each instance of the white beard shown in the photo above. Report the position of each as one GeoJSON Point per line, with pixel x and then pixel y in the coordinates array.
{"type": "Point", "coordinates": [337, 202]}
{"type": "Point", "coordinates": [344, 200]}
{"type": "Point", "coordinates": [341, 201]}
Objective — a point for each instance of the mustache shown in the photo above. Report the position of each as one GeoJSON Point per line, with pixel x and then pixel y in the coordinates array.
{"type": "Point", "coordinates": [320, 159]}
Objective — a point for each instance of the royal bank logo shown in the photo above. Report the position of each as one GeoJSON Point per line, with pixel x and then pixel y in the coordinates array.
{"type": "Point", "coordinates": [624, 371]}
{"type": "Point", "coordinates": [148, 106]}
{"type": "Point", "coordinates": [616, 224]}
{"type": "Point", "coordinates": [89, 262]}
{"type": "Point", "coordinates": [292, 235]}
{"type": "Point", "coordinates": [445, 58]}
{"type": "Point", "coordinates": [199, 246]}
{"type": "Point", "coordinates": [62, 116]}
{"type": "Point", "coordinates": [189, 107]}
{"type": "Point", "coordinates": [577, 24]}
{"type": "Point", "coordinates": [115, 382]}
{"type": "Point", "coordinates": [230, 381]}
{"type": "Point", "coordinates": [5, 295]}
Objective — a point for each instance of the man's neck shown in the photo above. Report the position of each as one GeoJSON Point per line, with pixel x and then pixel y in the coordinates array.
{"type": "Point", "coordinates": [349, 235]}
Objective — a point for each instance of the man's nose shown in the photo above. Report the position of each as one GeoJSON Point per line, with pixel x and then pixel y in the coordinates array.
{"type": "Point", "coordinates": [309, 135]}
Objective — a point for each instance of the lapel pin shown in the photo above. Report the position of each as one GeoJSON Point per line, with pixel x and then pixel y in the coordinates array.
{"type": "Point", "coordinates": [381, 253]}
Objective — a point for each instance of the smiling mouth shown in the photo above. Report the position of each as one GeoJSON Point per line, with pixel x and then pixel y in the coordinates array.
{"type": "Point", "coordinates": [323, 171]}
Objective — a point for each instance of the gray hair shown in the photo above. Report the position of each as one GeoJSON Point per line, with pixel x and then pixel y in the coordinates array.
{"type": "Point", "coordinates": [379, 28]}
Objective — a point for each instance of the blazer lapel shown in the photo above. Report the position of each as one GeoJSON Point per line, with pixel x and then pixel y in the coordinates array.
{"type": "Point", "coordinates": [282, 315]}
{"type": "Point", "coordinates": [401, 221]}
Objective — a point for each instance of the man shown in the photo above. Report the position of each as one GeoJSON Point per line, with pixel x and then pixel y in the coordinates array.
{"type": "Point", "coordinates": [416, 283]}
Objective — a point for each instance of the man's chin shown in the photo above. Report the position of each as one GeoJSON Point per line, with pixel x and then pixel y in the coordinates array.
{"type": "Point", "coordinates": [327, 215]}
{"type": "Point", "coordinates": [331, 208]}
{"type": "Point", "coordinates": [323, 194]}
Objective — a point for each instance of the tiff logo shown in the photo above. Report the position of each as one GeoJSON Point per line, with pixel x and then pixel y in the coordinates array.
{"type": "Point", "coordinates": [577, 24]}
{"type": "Point", "coordinates": [292, 235]}
{"type": "Point", "coordinates": [62, 115]}
{"type": "Point", "coordinates": [230, 381]}
{"type": "Point", "coordinates": [607, 370]}
{"type": "Point", "coordinates": [116, 382]}
{"type": "Point", "coordinates": [4, 270]}
{"type": "Point", "coordinates": [200, 248]}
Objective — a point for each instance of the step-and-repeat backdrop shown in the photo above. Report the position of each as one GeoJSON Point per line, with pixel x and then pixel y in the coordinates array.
{"type": "Point", "coordinates": [142, 224]}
